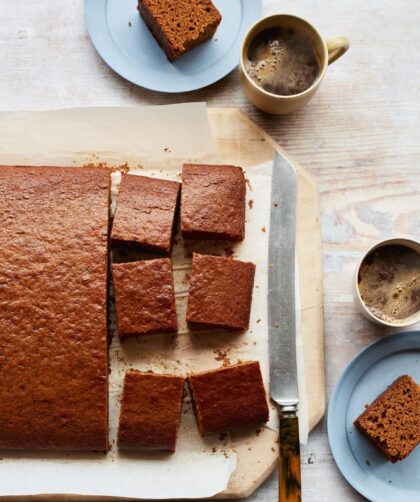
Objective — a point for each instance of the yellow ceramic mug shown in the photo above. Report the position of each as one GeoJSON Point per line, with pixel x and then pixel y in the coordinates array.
{"type": "Point", "coordinates": [328, 51]}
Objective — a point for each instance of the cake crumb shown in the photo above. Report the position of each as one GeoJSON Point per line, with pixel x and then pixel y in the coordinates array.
{"type": "Point", "coordinates": [263, 229]}
{"type": "Point", "coordinates": [222, 355]}
{"type": "Point", "coordinates": [250, 203]}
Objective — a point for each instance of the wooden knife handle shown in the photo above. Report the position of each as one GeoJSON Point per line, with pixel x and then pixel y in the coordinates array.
{"type": "Point", "coordinates": [289, 460]}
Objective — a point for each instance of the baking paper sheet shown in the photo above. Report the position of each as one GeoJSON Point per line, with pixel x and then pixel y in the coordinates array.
{"type": "Point", "coordinates": [152, 141]}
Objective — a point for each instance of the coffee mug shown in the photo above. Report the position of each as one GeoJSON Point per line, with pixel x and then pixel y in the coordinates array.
{"type": "Point", "coordinates": [360, 304]}
{"type": "Point", "coordinates": [327, 51]}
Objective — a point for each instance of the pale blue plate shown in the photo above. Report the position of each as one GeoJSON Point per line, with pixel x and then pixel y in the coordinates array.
{"type": "Point", "coordinates": [363, 380]}
{"type": "Point", "coordinates": [127, 46]}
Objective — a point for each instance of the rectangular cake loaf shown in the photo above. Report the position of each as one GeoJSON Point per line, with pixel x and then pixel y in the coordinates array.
{"type": "Point", "coordinates": [53, 297]}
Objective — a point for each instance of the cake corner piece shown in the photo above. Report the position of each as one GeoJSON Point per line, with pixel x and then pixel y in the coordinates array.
{"type": "Point", "coordinates": [229, 398]}
{"type": "Point", "coordinates": [213, 202]}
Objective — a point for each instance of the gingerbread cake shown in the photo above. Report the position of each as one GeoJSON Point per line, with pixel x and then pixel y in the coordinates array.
{"type": "Point", "coordinates": [213, 202]}
{"type": "Point", "coordinates": [180, 25]}
{"type": "Point", "coordinates": [220, 292]}
{"type": "Point", "coordinates": [144, 297]}
{"type": "Point", "coordinates": [150, 411]}
{"type": "Point", "coordinates": [145, 214]}
{"type": "Point", "coordinates": [392, 421]}
{"type": "Point", "coordinates": [229, 398]}
{"type": "Point", "coordinates": [53, 298]}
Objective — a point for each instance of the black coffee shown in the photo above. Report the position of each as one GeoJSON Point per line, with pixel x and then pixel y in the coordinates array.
{"type": "Point", "coordinates": [283, 61]}
{"type": "Point", "coordinates": [389, 282]}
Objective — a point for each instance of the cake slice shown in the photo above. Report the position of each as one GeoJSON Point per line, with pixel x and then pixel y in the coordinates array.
{"type": "Point", "coordinates": [213, 202]}
{"type": "Point", "coordinates": [180, 25]}
{"type": "Point", "coordinates": [392, 421]}
{"type": "Point", "coordinates": [144, 297]}
{"type": "Point", "coordinates": [220, 292]}
{"type": "Point", "coordinates": [145, 214]}
{"type": "Point", "coordinates": [229, 398]}
{"type": "Point", "coordinates": [150, 411]}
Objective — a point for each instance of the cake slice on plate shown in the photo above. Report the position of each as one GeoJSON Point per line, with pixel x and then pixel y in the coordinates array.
{"type": "Point", "coordinates": [180, 25]}
{"type": "Point", "coordinates": [392, 421]}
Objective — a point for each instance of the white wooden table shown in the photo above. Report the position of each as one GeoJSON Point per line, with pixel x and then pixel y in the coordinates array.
{"type": "Point", "coordinates": [359, 138]}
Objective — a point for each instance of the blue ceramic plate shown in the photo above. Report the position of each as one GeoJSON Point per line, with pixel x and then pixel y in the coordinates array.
{"type": "Point", "coordinates": [363, 380]}
{"type": "Point", "coordinates": [127, 46]}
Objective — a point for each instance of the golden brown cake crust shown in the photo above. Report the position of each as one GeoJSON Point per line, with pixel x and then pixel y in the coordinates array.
{"type": "Point", "coordinates": [220, 292]}
{"type": "Point", "coordinates": [392, 421]}
{"type": "Point", "coordinates": [180, 25]}
{"type": "Point", "coordinates": [53, 291]}
{"type": "Point", "coordinates": [213, 202]}
{"type": "Point", "coordinates": [144, 297]}
{"type": "Point", "coordinates": [145, 212]}
{"type": "Point", "coordinates": [150, 411]}
{"type": "Point", "coordinates": [229, 398]}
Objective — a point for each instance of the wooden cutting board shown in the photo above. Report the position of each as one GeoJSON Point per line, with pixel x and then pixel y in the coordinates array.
{"type": "Point", "coordinates": [239, 140]}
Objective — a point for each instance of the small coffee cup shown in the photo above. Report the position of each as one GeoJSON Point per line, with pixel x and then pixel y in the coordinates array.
{"type": "Point", "coordinates": [360, 303]}
{"type": "Point", "coordinates": [327, 52]}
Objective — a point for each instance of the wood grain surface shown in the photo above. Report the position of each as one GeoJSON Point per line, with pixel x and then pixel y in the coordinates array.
{"type": "Point", "coordinates": [359, 138]}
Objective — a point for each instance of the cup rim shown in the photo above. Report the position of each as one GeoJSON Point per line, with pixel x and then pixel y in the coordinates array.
{"type": "Point", "coordinates": [281, 96]}
{"type": "Point", "coordinates": [403, 323]}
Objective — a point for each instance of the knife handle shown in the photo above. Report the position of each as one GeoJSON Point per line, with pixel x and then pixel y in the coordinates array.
{"type": "Point", "coordinates": [289, 459]}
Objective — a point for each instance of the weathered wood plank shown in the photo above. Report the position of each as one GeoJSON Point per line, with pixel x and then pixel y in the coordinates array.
{"type": "Point", "coordinates": [358, 138]}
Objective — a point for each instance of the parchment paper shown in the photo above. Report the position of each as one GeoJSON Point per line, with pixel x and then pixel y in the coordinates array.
{"type": "Point", "coordinates": [152, 141]}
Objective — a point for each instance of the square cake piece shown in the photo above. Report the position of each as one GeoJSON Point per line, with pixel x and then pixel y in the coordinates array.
{"type": "Point", "coordinates": [180, 25]}
{"type": "Point", "coordinates": [53, 302]}
{"type": "Point", "coordinates": [213, 202]}
{"type": "Point", "coordinates": [145, 214]}
{"type": "Point", "coordinates": [220, 292]}
{"type": "Point", "coordinates": [392, 421]}
{"type": "Point", "coordinates": [144, 297]}
{"type": "Point", "coordinates": [150, 411]}
{"type": "Point", "coordinates": [229, 398]}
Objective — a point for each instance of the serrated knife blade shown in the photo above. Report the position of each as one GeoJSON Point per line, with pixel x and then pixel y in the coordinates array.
{"type": "Point", "coordinates": [282, 323]}
{"type": "Point", "coordinates": [281, 284]}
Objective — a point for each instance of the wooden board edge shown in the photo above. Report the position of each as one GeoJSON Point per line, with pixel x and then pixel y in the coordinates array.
{"type": "Point", "coordinates": [276, 146]}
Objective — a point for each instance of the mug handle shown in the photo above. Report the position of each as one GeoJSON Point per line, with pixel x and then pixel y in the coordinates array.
{"type": "Point", "coordinates": [336, 47]}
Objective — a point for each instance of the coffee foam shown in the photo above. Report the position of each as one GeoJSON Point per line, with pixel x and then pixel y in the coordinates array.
{"type": "Point", "coordinates": [389, 283]}
{"type": "Point", "coordinates": [282, 61]}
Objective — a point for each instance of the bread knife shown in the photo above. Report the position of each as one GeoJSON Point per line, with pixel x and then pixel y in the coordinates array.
{"type": "Point", "coordinates": [282, 324]}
